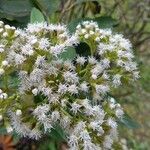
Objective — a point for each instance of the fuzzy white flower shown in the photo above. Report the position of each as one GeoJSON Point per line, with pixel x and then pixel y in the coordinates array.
{"type": "Point", "coordinates": [62, 88]}
{"type": "Point", "coordinates": [27, 50]}
{"type": "Point", "coordinates": [116, 80]}
{"type": "Point", "coordinates": [112, 123]}
{"type": "Point", "coordinates": [75, 107]}
{"type": "Point", "coordinates": [92, 60]}
{"type": "Point", "coordinates": [1, 48]}
{"type": "Point", "coordinates": [102, 89]}
{"type": "Point", "coordinates": [5, 63]}
{"type": "Point", "coordinates": [80, 60]}
{"type": "Point", "coordinates": [44, 44]}
{"type": "Point", "coordinates": [119, 112]}
{"type": "Point", "coordinates": [70, 77]}
{"type": "Point", "coordinates": [84, 87]}
{"type": "Point", "coordinates": [73, 142]}
{"type": "Point", "coordinates": [73, 89]}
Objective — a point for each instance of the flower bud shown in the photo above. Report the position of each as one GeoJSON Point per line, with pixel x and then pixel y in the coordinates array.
{"type": "Point", "coordinates": [1, 117]}
{"type": "Point", "coordinates": [94, 76]}
{"type": "Point", "coordinates": [18, 112]}
{"type": "Point", "coordinates": [91, 32]}
{"type": "Point", "coordinates": [97, 39]}
{"type": "Point", "coordinates": [1, 30]}
{"type": "Point", "coordinates": [35, 91]}
{"type": "Point", "coordinates": [1, 71]}
{"type": "Point", "coordinates": [9, 129]}
{"type": "Point", "coordinates": [4, 96]}
{"type": "Point", "coordinates": [5, 63]}
{"type": "Point", "coordinates": [83, 31]}
{"type": "Point", "coordinates": [5, 34]}
{"type": "Point", "coordinates": [86, 36]}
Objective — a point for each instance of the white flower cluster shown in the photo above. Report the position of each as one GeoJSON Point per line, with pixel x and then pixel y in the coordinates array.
{"type": "Point", "coordinates": [68, 93]}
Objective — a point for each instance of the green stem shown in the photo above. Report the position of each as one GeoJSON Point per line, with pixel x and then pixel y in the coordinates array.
{"type": "Point", "coordinates": [6, 81]}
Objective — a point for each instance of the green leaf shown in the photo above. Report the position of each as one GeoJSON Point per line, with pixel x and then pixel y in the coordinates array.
{"type": "Point", "coordinates": [83, 49]}
{"type": "Point", "coordinates": [58, 134]}
{"type": "Point", "coordinates": [12, 81]}
{"type": "Point", "coordinates": [68, 54]}
{"type": "Point", "coordinates": [106, 22]}
{"type": "Point", "coordinates": [48, 6]}
{"type": "Point", "coordinates": [47, 144]}
{"type": "Point", "coordinates": [128, 122]}
{"type": "Point", "coordinates": [36, 16]}
{"type": "Point", "coordinates": [15, 9]}
{"type": "Point", "coordinates": [2, 130]}
{"type": "Point", "coordinates": [38, 98]}
{"type": "Point", "coordinates": [52, 146]}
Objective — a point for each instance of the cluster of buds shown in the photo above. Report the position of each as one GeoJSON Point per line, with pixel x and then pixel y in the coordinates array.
{"type": "Point", "coordinates": [71, 94]}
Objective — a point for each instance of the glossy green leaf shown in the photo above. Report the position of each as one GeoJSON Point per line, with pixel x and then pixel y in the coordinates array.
{"type": "Point", "coordinates": [58, 134]}
{"type": "Point", "coordinates": [106, 22]}
{"type": "Point", "coordinates": [48, 6]}
{"type": "Point", "coordinates": [15, 9]}
{"type": "Point", "coordinates": [68, 54]}
{"type": "Point", "coordinates": [128, 122]}
{"type": "Point", "coordinates": [36, 16]}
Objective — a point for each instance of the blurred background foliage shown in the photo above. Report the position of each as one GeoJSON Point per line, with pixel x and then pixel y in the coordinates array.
{"type": "Point", "coordinates": [130, 17]}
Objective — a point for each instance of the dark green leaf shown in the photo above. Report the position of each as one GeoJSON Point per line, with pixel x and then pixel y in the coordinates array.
{"type": "Point", "coordinates": [128, 122]}
{"type": "Point", "coordinates": [39, 98]}
{"type": "Point", "coordinates": [83, 49]}
{"type": "Point", "coordinates": [52, 145]}
{"type": "Point", "coordinates": [48, 6]}
{"type": "Point", "coordinates": [105, 22]}
{"type": "Point", "coordinates": [69, 54]}
{"type": "Point", "coordinates": [15, 9]}
{"type": "Point", "coordinates": [2, 130]}
{"type": "Point", "coordinates": [36, 16]}
{"type": "Point", "coordinates": [58, 134]}
{"type": "Point", "coordinates": [47, 144]}
{"type": "Point", "coordinates": [12, 81]}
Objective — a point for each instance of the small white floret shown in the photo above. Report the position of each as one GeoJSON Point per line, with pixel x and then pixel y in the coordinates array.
{"type": "Point", "coordinates": [1, 117]}
{"type": "Point", "coordinates": [94, 76]}
{"type": "Point", "coordinates": [9, 129]}
{"type": "Point", "coordinates": [5, 63]}
{"type": "Point", "coordinates": [35, 91]}
{"type": "Point", "coordinates": [18, 112]}
{"type": "Point", "coordinates": [2, 71]}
